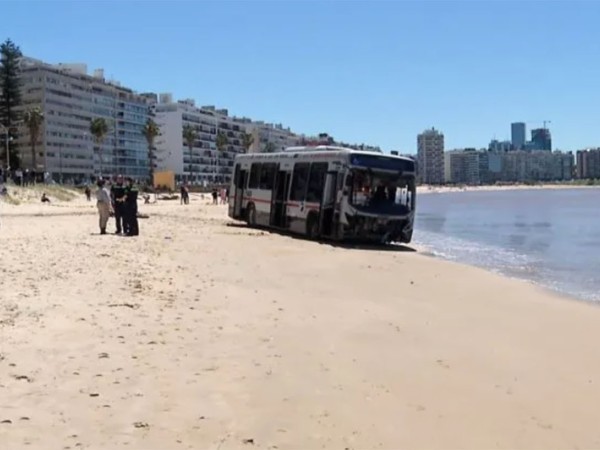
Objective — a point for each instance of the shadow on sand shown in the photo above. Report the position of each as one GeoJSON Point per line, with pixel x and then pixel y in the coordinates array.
{"type": "Point", "coordinates": [350, 245]}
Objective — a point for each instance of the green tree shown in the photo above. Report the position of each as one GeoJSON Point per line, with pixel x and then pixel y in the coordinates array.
{"type": "Point", "coordinates": [269, 147]}
{"type": "Point", "coordinates": [247, 141]}
{"type": "Point", "coordinates": [189, 136]}
{"type": "Point", "coordinates": [221, 143]}
{"type": "Point", "coordinates": [33, 119]}
{"type": "Point", "coordinates": [151, 131]}
{"type": "Point", "coordinates": [10, 94]}
{"type": "Point", "coordinates": [99, 130]}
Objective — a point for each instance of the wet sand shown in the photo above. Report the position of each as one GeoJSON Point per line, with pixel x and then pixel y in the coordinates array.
{"type": "Point", "coordinates": [200, 335]}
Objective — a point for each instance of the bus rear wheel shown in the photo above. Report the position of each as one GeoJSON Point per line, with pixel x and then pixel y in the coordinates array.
{"type": "Point", "coordinates": [312, 226]}
{"type": "Point", "coordinates": [251, 215]}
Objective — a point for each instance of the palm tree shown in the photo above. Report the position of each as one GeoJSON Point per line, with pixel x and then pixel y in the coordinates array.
{"type": "Point", "coordinates": [269, 147]}
{"type": "Point", "coordinates": [150, 132]}
{"type": "Point", "coordinates": [221, 143]}
{"type": "Point", "coordinates": [99, 130]}
{"type": "Point", "coordinates": [189, 135]}
{"type": "Point", "coordinates": [33, 119]}
{"type": "Point", "coordinates": [247, 141]}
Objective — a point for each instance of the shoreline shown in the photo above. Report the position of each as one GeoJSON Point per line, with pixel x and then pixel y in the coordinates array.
{"type": "Point", "coordinates": [432, 189]}
{"type": "Point", "coordinates": [198, 334]}
{"type": "Point", "coordinates": [430, 253]}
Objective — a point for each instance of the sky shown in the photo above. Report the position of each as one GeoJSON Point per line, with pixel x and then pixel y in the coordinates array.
{"type": "Point", "coordinates": [373, 72]}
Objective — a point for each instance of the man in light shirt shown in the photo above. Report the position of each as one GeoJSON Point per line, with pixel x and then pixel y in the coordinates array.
{"type": "Point", "coordinates": [104, 205]}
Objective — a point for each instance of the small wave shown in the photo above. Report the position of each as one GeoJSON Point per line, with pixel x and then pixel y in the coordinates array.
{"type": "Point", "coordinates": [506, 262]}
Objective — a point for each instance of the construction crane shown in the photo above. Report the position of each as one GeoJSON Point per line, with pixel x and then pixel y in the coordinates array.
{"type": "Point", "coordinates": [544, 122]}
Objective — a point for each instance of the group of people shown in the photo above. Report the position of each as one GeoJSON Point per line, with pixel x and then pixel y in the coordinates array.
{"type": "Point", "coordinates": [120, 200]}
{"type": "Point", "coordinates": [216, 193]}
{"type": "Point", "coordinates": [223, 193]}
{"type": "Point", "coordinates": [23, 177]}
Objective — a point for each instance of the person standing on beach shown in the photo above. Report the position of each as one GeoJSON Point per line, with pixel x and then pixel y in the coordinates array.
{"type": "Point", "coordinates": [103, 203]}
{"type": "Point", "coordinates": [88, 193]}
{"type": "Point", "coordinates": [185, 196]}
{"type": "Point", "coordinates": [131, 221]}
{"type": "Point", "coordinates": [117, 193]}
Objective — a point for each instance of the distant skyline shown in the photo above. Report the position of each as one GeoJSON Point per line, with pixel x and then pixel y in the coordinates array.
{"type": "Point", "coordinates": [377, 72]}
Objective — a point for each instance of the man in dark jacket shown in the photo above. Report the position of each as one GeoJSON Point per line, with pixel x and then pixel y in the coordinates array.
{"type": "Point", "coordinates": [131, 221]}
{"type": "Point", "coordinates": [117, 195]}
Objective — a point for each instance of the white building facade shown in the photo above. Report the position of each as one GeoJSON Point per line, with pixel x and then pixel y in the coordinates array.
{"type": "Point", "coordinates": [268, 137]}
{"type": "Point", "coordinates": [462, 167]}
{"type": "Point", "coordinates": [69, 99]}
{"type": "Point", "coordinates": [203, 164]}
{"type": "Point", "coordinates": [430, 157]}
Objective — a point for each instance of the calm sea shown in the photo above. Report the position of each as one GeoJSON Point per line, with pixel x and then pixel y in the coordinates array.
{"type": "Point", "coordinates": [550, 237]}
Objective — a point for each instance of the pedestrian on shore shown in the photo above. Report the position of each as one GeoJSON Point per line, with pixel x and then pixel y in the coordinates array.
{"type": "Point", "coordinates": [117, 194]}
{"type": "Point", "coordinates": [223, 196]}
{"type": "Point", "coordinates": [103, 204]}
{"type": "Point", "coordinates": [185, 195]}
{"type": "Point", "coordinates": [131, 220]}
{"type": "Point", "coordinates": [215, 196]}
{"type": "Point", "coordinates": [88, 193]}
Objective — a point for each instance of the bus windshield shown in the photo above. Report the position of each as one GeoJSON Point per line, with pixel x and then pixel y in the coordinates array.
{"type": "Point", "coordinates": [381, 192]}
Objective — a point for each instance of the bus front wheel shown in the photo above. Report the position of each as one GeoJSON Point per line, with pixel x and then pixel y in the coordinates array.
{"type": "Point", "coordinates": [251, 215]}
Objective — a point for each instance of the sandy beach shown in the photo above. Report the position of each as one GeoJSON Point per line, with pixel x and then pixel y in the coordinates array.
{"type": "Point", "coordinates": [204, 334]}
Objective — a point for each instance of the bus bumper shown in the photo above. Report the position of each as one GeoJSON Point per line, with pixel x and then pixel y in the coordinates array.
{"type": "Point", "coordinates": [383, 230]}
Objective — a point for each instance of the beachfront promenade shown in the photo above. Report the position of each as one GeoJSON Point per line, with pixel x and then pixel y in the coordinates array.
{"type": "Point", "coordinates": [197, 334]}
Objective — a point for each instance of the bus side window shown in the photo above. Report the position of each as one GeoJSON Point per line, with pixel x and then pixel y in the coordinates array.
{"type": "Point", "coordinates": [236, 175]}
{"type": "Point", "coordinates": [267, 175]}
{"type": "Point", "coordinates": [316, 182]}
{"type": "Point", "coordinates": [299, 181]}
{"type": "Point", "coordinates": [254, 176]}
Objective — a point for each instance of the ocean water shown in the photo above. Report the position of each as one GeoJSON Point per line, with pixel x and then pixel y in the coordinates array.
{"type": "Point", "coordinates": [550, 237]}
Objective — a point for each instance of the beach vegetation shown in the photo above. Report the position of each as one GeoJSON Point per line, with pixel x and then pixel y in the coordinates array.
{"type": "Point", "coordinates": [269, 147]}
{"type": "Point", "coordinates": [151, 131]}
{"type": "Point", "coordinates": [247, 141]}
{"type": "Point", "coordinates": [189, 136]}
{"type": "Point", "coordinates": [10, 95]}
{"type": "Point", "coordinates": [221, 143]}
{"type": "Point", "coordinates": [99, 130]}
{"type": "Point", "coordinates": [33, 119]}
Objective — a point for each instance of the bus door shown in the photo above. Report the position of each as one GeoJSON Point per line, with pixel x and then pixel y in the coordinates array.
{"type": "Point", "coordinates": [240, 180]}
{"type": "Point", "coordinates": [279, 198]}
{"type": "Point", "coordinates": [328, 205]}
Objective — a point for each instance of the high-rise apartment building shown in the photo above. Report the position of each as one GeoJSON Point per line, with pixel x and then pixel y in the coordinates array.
{"type": "Point", "coordinates": [500, 146]}
{"type": "Point", "coordinates": [430, 157]}
{"type": "Point", "coordinates": [204, 163]}
{"type": "Point", "coordinates": [588, 163]}
{"type": "Point", "coordinates": [541, 139]}
{"type": "Point", "coordinates": [522, 166]}
{"type": "Point", "coordinates": [518, 135]}
{"type": "Point", "coordinates": [462, 166]}
{"type": "Point", "coordinates": [268, 137]}
{"type": "Point", "coordinates": [70, 99]}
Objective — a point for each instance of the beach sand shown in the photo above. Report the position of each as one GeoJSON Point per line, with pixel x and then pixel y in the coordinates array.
{"type": "Point", "coordinates": [200, 335]}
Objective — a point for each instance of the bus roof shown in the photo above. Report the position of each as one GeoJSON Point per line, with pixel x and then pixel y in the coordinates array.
{"type": "Point", "coordinates": [320, 149]}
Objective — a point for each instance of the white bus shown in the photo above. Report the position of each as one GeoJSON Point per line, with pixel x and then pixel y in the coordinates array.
{"type": "Point", "coordinates": [326, 192]}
